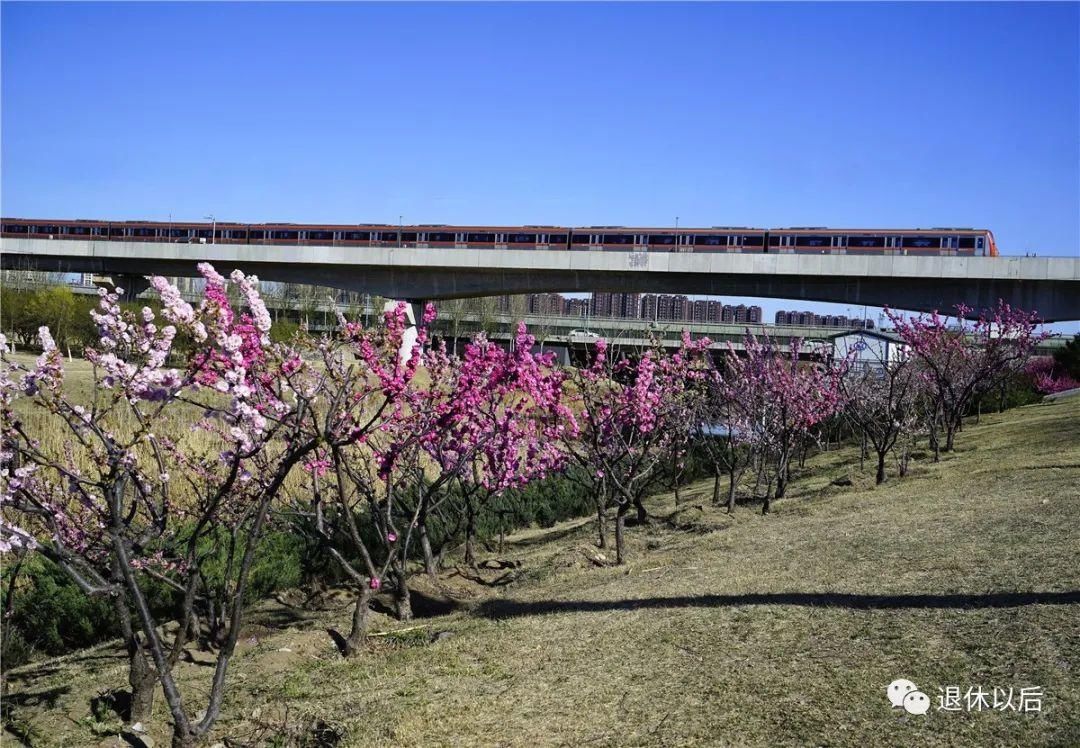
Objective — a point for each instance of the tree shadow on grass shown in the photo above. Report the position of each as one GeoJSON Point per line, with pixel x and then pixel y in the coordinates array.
{"type": "Point", "coordinates": [497, 609]}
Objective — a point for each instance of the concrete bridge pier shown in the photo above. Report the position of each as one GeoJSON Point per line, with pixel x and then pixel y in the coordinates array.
{"type": "Point", "coordinates": [131, 285]}
{"type": "Point", "coordinates": [408, 340]}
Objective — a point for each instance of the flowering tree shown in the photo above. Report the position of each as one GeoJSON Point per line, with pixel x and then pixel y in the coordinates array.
{"type": "Point", "coordinates": [882, 402]}
{"type": "Point", "coordinates": [1047, 377]}
{"type": "Point", "coordinates": [775, 402]}
{"type": "Point", "coordinates": [97, 495]}
{"type": "Point", "coordinates": [725, 433]}
{"type": "Point", "coordinates": [352, 498]}
{"type": "Point", "coordinates": [962, 362]}
{"type": "Point", "coordinates": [488, 421]}
{"type": "Point", "coordinates": [627, 410]}
{"type": "Point", "coordinates": [511, 427]}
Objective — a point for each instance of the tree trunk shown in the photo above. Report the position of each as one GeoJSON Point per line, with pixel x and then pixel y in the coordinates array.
{"type": "Point", "coordinates": [781, 481]}
{"type": "Point", "coordinates": [402, 599]}
{"type": "Point", "coordinates": [470, 533]}
{"type": "Point", "coordinates": [642, 515]}
{"type": "Point", "coordinates": [732, 482]}
{"type": "Point", "coordinates": [950, 436]}
{"type": "Point", "coordinates": [880, 468]}
{"type": "Point", "coordinates": [141, 676]}
{"type": "Point", "coordinates": [182, 740]}
{"type": "Point", "coordinates": [716, 488]}
{"type": "Point", "coordinates": [620, 525]}
{"type": "Point", "coordinates": [358, 634]}
{"type": "Point", "coordinates": [425, 545]}
{"type": "Point", "coordinates": [935, 442]}
{"type": "Point", "coordinates": [601, 534]}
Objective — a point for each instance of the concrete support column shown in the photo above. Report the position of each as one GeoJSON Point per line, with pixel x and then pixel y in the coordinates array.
{"type": "Point", "coordinates": [408, 340]}
{"type": "Point", "coordinates": [132, 285]}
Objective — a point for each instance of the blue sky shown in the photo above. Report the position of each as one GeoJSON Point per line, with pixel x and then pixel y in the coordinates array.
{"type": "Point", "coordinates": [845, 114]}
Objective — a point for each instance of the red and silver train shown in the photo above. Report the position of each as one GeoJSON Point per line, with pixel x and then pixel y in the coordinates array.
{"type": "Point", "coordinates": [798, 240]}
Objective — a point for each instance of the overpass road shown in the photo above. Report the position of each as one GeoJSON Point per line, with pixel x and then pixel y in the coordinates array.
{"type": "Point", "coordinates": [1048, 285]}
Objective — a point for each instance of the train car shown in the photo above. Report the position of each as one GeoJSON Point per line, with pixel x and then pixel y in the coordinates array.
{"type": "Point", "coordinates": [936, 241]}
{"type": "Point", "coordinates": [621, 238]}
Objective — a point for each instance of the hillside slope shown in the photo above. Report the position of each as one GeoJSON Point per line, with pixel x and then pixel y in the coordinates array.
{"type": "Point", "coordinates": [778, 630]}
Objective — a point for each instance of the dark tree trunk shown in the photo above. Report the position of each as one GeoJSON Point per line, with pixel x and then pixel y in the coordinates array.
{"type": "Point", "coordinates": [620, 526]}
{"type": "Point", "coordinates": [358, 633]}
{"type": "Point", "coordinates": [781, 482]}
{"type": "Point", "coordinates": [470, 533]}
{"type": "Point", "coordinates": [402, 599]}
{"type": "Point", "coordinates": [642, 515]}
{"type": "Point", "coordinates": [425, 545]}
{"type": "Point", "coordinates": [950, 436]}
{"type": "Point", "coordinates": [880, 468]}
{"type": "Point", "coordinates": [716, 488]}
{"type": "Point", "coordinates": [733, 480]}
{"type": "Point", "coordinates": [601, 532]}
{"type": "Point", "coordinates": [141, 676]}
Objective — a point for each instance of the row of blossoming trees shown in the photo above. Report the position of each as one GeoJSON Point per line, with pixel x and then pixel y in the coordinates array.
{"type": "Point", "coordinates": [367, 443]}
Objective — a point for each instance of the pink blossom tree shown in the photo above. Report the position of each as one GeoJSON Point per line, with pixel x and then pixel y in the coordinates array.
{"type": "Point", "coordinates": [961, 362]}
{"type": "Point", "coordinates": [627, 411]}
{"type": "Point", "coordinates": [101, 501]}
{"type": "Point", "coordinates": [486, 422]}
{"type": "Point", "coordinates": [776, 401]}
{"type": "Point", "coordinates": [882, 403]}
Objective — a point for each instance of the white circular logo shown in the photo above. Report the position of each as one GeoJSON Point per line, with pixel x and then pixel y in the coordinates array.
{"type": "Point", "coordinates": [916, 702]}
{"type": "Point", "coordinates": [898, 689]}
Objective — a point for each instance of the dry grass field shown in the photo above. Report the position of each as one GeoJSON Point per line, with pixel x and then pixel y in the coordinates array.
{"type": "Point", "coordinates": [743, 630]}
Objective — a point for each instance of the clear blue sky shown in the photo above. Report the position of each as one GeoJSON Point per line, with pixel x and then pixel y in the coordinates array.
{"type": "Point", "coordinates": [846, 114]}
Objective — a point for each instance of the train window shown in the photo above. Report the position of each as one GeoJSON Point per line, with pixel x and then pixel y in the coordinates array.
{"type": "Point", "coordinates": [710, 240]}
{"type": "Point", "coordinates": [79, 230]}
{"type": "Point", "coordinates": [617, 239]}
{"type": "Point", "coordinates": [812, 241]}
{"type": "Point", "coordinates": [357, 236]}
{"type": "Point", "coordinates": [178, 233]}
{"type": "Point", "coordinates": [556, 238]}
{"type": "Point", "coordinates": [439, 236]}
{"type": "Point", "coordinates": [967, 242]}
{"type": "Point", "coordinates": [866, 241]}
{"type": "Point", "coordinates": [408, 236]}
{"type": "Point", "coordinates": [774, 240]}
{"type": "Point", "coordinates": [257, 234]}
{"type": "Point", "coordinates": [146, 233]}
{"type": "Point", "coordinates": [480, 238]}
{"type": "Point", "coordinates": [321, 236]}
{"type": "Point", "coordinates": [521, 238]}
{"type": "Point", "coordinates": [979, 243]}
{"type": "Point", "coordinates": [16, 228]}
{"type": "Point", "coordinates": [116, 231]}
{"type": "Point", "coordinates": [922, 242]}
{"type": "Point", "coordinates": [662, 239]}
{"type": "Point", "coordinates": [280, 235]}
{"type": "Point", "coordinates": [753, 241]}
{"type": "Point", "coordinates": [580, 239]}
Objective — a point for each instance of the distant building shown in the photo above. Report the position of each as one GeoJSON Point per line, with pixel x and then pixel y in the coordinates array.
{"type": "Point", "coordinates": [866, 350]}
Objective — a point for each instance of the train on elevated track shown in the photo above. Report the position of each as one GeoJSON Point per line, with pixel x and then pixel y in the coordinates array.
{"type": "Point", "coordinates": [966, 242]}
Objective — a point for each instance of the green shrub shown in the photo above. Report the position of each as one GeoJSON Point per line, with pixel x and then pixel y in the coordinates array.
{"type": "Point", "coordinates": [52, 615]}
